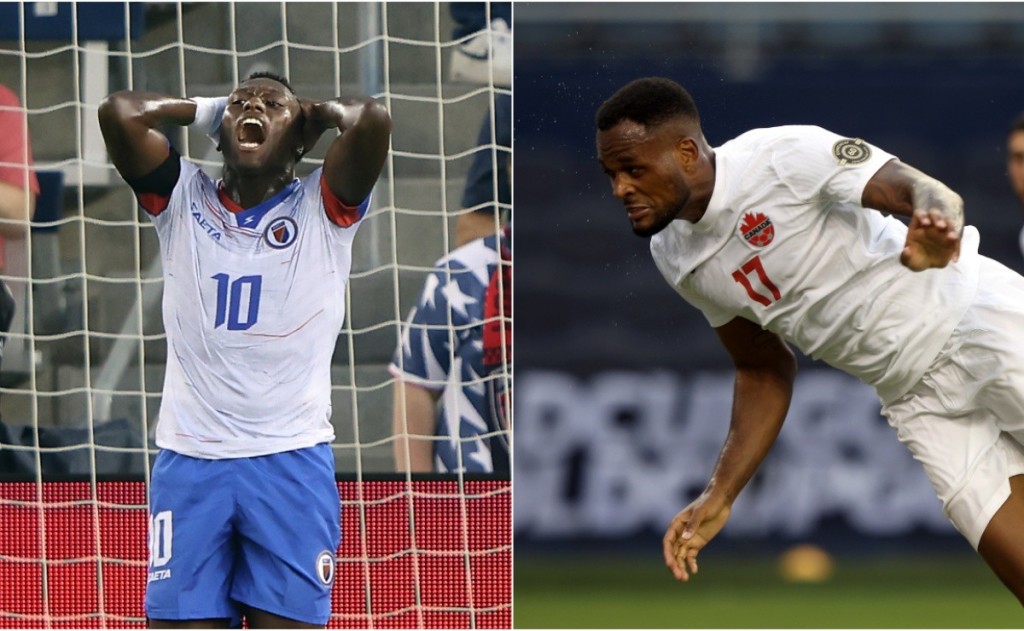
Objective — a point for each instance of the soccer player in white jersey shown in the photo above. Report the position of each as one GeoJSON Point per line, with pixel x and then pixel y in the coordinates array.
{"type": "Point", "coordinates": [777, 236]}
{"type": "Point", "coordinates": [244, 508]}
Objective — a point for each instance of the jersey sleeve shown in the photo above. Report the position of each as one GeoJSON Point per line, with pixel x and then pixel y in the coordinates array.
{"type": "Point", "coordinates": [715, 315]}
{"type": "Point", "coordinates": [814, 162]}
{"type": "Point", "coordinates": [14, 144]}
{"type": "Point", "coordinates": [429, 338]}
{"type": "Point", "coordinates": [340, 213]}
{"type": "Point", "coordinates": [154, 189]}
{"type": "Point", "coordinates": [683, 281]}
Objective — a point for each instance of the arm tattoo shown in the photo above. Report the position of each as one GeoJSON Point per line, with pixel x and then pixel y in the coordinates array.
{"type": "Point", "coordinates": [901, 189]}
{"type": "Point", "coordinates": [930, 193]}
{"type": "Point", "coordinates": [889, 192]}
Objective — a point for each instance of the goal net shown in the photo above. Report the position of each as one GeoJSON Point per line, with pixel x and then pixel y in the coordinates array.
{"type": "Point", "coordinates": [82, 370]}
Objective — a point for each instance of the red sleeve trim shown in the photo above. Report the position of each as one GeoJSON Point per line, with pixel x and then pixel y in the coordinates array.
{"type": "Point", "coordinates": [340, 213]}
{"type": "Point", "coordinates": [153, 203]}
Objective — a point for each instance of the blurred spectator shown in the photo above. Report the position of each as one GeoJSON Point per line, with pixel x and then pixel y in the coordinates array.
{"type": "Point", "coordinates": [469, 64]}
{"type": "Point", "coordinates": [442, 417]}
{"type": "Point", "coordinates": [18, 183]}
{"type": "Point", "coordinates": [470, 59]}
{"type": "Point", "coordinates": [1015, 163]}
{"type": "Point", "coordinates": [18, 190]}
{"type": "Point", "coordinates": [481, 183]}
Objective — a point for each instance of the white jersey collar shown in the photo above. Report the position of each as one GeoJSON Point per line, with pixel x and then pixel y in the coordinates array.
{"type": "Point", "coordinates": [717, 204]}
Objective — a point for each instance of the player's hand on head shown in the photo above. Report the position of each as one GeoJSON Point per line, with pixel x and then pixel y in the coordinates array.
{"type": "Point", "coordinates": [690, 531]}
{"type": "Point", "coordinates": [932, 241]}
{"type": "Point", "coordinates": [313, 125]}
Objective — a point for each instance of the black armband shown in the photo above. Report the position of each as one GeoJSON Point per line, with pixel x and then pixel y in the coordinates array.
{"type": "Point", "coordinates": [161, 180]}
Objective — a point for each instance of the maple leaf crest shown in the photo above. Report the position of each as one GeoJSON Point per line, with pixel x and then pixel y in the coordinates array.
{"type": "Point", "coordinates": [757, 229]}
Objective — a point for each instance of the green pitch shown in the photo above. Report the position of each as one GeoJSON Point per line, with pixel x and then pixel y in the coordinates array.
{"type": "Point", "coordinates": [955, 591]}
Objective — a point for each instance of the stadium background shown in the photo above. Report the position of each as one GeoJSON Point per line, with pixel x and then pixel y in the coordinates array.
{"type": "Point", "coordinates": [623, 393]}
{"type": "Point", "coordinates": [83, 370]}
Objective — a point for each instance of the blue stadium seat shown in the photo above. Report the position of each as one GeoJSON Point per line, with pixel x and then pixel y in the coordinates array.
{"type": "Point", "coordinates": [50, 203]}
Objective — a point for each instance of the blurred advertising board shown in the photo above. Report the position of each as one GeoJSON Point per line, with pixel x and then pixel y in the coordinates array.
{"type": "Point", "coordinates": [619, 453]}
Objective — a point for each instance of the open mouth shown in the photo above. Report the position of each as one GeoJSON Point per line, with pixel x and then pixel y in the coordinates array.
{"type": "Point", "coordinates": [249, 133]}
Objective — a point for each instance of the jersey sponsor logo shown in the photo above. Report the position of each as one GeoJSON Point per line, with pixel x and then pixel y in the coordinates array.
{"type": "Point", "coordinates": [158, 575]}
{"type": "Point", "coordinates": [850, 151]}
{"type": "Point", "coordinates": [205, 225]}
{"type": "Point", "coordinates": [757, 229]}
{"type": "Point", "coordinates": [325, 567]}
{"type": "Point", "coordinates": [281, 232]}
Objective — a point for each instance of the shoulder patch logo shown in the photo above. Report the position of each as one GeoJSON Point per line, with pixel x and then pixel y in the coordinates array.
{"type": "Point", "coordinates": [325, 567]}
{"type": "Point", "coordinates": [850, 151]}
{"type": "Point", "coordinates": [281, 232]}
{"type": "Point", "coordinates": [757, 229]}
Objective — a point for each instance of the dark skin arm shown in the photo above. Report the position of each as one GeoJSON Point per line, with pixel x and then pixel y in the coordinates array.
{"type": "Point", "coordinates": [936, 213]}
{"type": "Point", "coordinates": [765, 370]}
{"type": "Point", "coordinates": [355, 158]}
{"type": "Point", "coordinates": [130, 121]}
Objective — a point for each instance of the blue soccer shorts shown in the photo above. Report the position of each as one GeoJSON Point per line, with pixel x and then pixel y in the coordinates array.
{"type": "Point", "coordinates": [259, 532]}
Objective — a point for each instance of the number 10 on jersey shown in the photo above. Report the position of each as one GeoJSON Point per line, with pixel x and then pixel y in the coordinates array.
{"type": "Point", "coordinates": [238, 301]}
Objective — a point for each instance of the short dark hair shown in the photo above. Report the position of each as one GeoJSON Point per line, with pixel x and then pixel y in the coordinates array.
{"type": "Point", "coordinates": [649, 101]}
{"type": "Point", "coordinates": [1018, 124]}
{"type": "Point", "coordinates": [263, 74]}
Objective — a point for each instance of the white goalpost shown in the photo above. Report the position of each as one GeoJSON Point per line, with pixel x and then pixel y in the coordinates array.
{"type": "Point", "coordinates": [82, 370]}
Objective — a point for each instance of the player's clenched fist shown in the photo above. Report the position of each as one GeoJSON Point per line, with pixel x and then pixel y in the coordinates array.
{"type": "Point", "coordinates": [691, 530]}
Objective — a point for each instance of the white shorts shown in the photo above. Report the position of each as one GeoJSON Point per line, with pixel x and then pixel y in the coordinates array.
{"type": "Point", "coordinates": [964, 421]}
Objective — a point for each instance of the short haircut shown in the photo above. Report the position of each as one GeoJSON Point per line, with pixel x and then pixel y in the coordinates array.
{"type": "Point", "coordinates": [262, 74]}
{"type": "Point", "coordinates": [650, 102]}
{"type": "Point", "coordinates": [1018, 124]}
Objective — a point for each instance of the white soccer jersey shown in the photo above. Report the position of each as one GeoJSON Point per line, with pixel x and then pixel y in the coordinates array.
{"type": "Point", "coordinates": [785, 243]}
{"type": "Point", "coordinates": [253, 302]}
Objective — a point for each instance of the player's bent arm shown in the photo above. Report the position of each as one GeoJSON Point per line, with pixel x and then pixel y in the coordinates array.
{"type": "Point", "coordinates": [355, 158]}
{"type": "Point", "coordinates": [413, 421]}
{"type": "Point", "coordinates": [17, 207]}
{"type": "Point", "coordinates": [130, 121]}
{"type": "Point", "coordinates": [936, 212]}
{"type": "Point", "coordinates": [765, 371]}
{"type": "Point", "coordinates": [901, 189]}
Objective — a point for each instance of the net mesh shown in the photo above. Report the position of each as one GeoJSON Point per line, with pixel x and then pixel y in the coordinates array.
{"type": "Point", "coordinates": [83, 366]}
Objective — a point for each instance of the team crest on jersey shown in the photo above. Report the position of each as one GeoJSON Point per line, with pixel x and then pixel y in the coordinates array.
{"type": "Point", "coordinates": [757, 229]}
{"type": "Point", "coordinates": [851, 151]}
{"type": "Point", "coordinates": [325, 567]}
{"type": "Point", "coordinates": [281, 232]}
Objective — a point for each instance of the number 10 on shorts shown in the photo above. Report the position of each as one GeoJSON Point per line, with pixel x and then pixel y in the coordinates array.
{"type": "Point", "coordinates": [161, 533]}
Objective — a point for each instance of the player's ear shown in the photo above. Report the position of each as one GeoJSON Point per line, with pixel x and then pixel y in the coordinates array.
{"type": "Point", "coordinates": [687, 154]}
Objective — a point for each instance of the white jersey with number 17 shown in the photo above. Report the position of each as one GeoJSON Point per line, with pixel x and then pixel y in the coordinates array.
{"type": "Point", "coordinates": [253, 302]}
{"type": "Point", "coordinates": [786, 244]}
